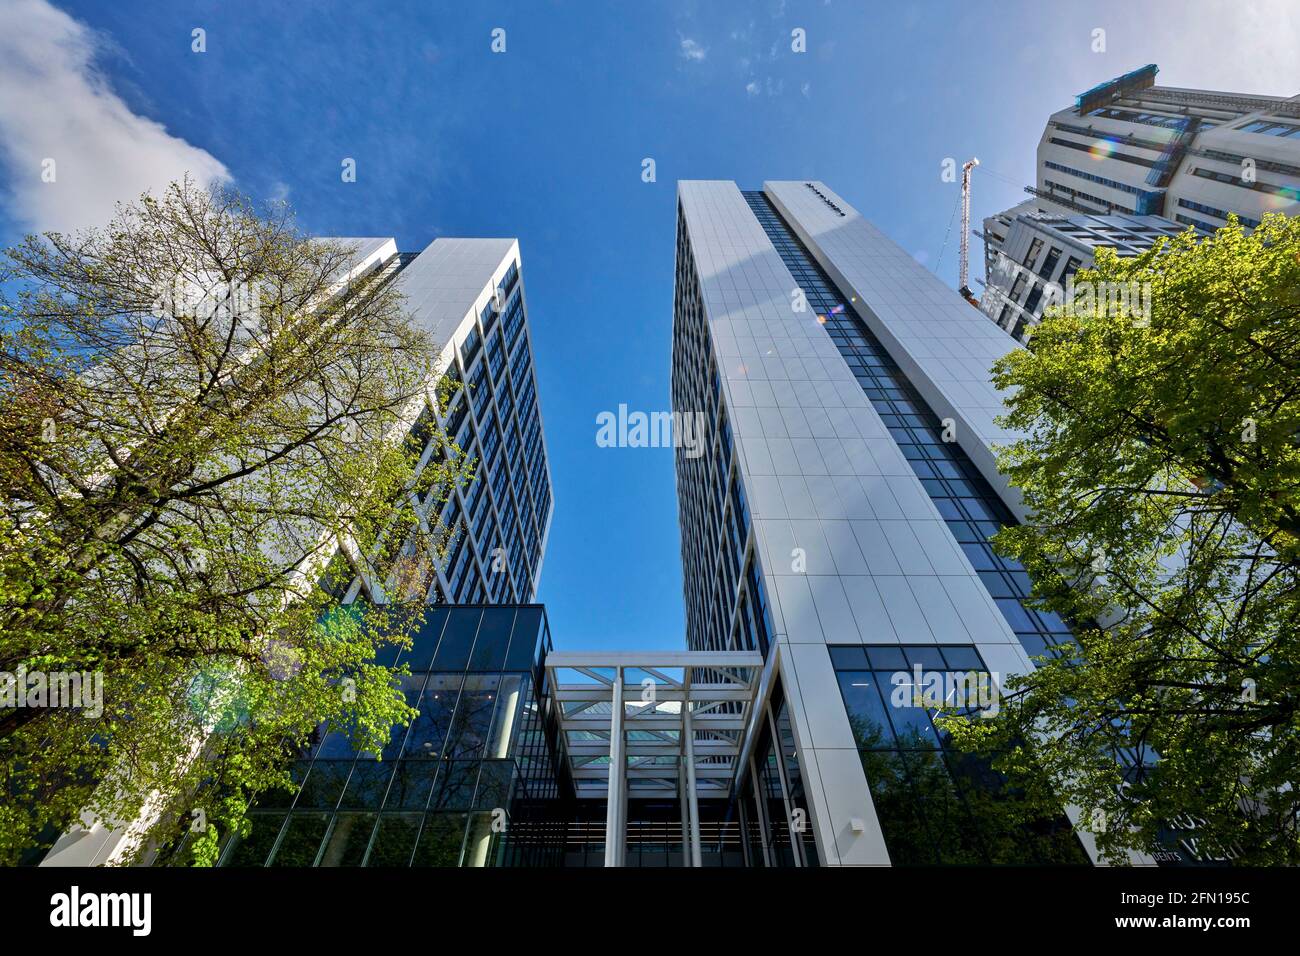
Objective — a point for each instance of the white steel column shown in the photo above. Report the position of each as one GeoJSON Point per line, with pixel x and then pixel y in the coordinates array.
{"type": "Point", "coordinates": [686, 814]}
{"type": "Point", "coordinates": [615, 801]}
{"type": "Point", "coordinates": [688, 734]}
{"type": "Point", "coordinates": [760, 807]}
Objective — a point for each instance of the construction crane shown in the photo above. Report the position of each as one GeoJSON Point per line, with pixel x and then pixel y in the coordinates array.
{"type": "Point", "coordinates": [964, 264]}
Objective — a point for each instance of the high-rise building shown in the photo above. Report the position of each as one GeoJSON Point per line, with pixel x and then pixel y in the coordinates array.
{"type": "Point", "coordinates": [1038, 254]}
{"type": "Point", "coordinates": [469, 294]}
{"type": "Point", "coordinates": [1128, 151]}
{"type": "Point", "coordinates": [834, 542]}
{"type": "Point", "coordinates": [839, 523]}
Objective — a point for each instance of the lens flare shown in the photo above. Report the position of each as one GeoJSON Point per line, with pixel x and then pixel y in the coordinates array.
{"type": "Point", "coordinates": [1101, 149]}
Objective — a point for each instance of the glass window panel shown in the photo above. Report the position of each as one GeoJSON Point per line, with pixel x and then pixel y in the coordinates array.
{"type": "Point", "coordinates": [412, 783]}
{"type": "Point", "coordinates": [411, 686]}
{"type": "Point", "coordinates": [348, 840]}
{"type": "Point", "coordinates": [1015, 614]}
{"type": "Point", "coordinates": [302, 839]}
{"type": "Point", "coordinates": [523, 640]}
{"type": "Point", "coordinates": [897, 808]}
{"type": "Point", "coordinates": [952, 831]}
{"type": "Point", "coordinates": [456, 783]}
{"type": "Point", "coordinates": [948, 509]}
{"type": "Point", "coordinates": [387, 653]}
{"type": "Point", "coordinates": [911, 723]}
{"type": "Point", "coordinates": [1051, 621]}
{"type": "Point", "coordinates": [493, 639]}
{"type": "Point", "coordinates": [495, 785]}
{"type": "Point", "coordinates": [336, 746]}
{"type": "Point", "coordinates": [425, 641]}
{"type": "Point", "coordinates": [472, 722]}
{"type": "Point", "coordinates": [1020, 585]}
{"type": "Point", "coordinates": [437, 706]}
{"type": "Point", "coordinates": [982, 510]}
{"type": "Point", "coordinates": [866, 710]}
{"type": "Point", "coordinates": [509, 701]}
{"type": "Point", "coordinates": [394, 839]}
{"type": "Point", "coordinates": [1034, 644]}
{"type": "Point", "coordinates": [996, 584]}
{"type": "Point", "coordinates": [367, 785]}
{"type": "Point", "coordinates": [276, 798]}
{"type": "Point", "coordinates": [440, 840]}
{"type": "Point", "coordinates": [884, 657]}
{"type": "Point", "coordinates": [324, 784]}
{"type": "Point", "coordinates": [254, 849]}
{"type": "Point", "coordinates": [457, 639]}
{"type": "Point", "coordinates": [962, 658]}
{"type": "Point", "coordinates": [927, 656]}
{"type": "Point", "coordinates": [849, 658]}
{"type": "Point", "coordinates": [981, 558]}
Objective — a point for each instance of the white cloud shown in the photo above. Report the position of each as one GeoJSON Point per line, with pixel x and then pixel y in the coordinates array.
{"type": "Point", "coordinates": [55, 104]}
{"type": "Point", "coordinates": [770, 86]}
{"type": "Point", "coordinates": [691, 50]}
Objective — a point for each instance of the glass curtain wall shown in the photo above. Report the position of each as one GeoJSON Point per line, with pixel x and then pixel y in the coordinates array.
{"type": "Point", "coordinates": [447, 787]}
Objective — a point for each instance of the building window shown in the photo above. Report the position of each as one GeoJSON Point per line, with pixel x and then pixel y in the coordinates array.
{"type": "Point", "coordinates": [479, 743]}
{"type": "Point", "coordinates": [1035, 296]}
{"type": "Point", "coordinates": [1031, 256]}
{"type": "Point", "coordinates": [1049, 264]}
{"type": "Point", "coordinates": [935, 804]}
{"type": "Point", "coordinates": [1092, 178]}
{"type": "Point", "coordinates": [1018, 287]}
{"type": "Point", "coordinates": [1220, 213]}
{"type": "Point", "coordinates": [1271, 128]}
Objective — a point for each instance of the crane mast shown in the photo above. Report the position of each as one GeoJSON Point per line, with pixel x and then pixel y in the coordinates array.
{"type": "Point", "coordinates": [964, 264]}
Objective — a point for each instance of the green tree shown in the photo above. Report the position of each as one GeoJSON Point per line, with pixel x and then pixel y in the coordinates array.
{"type": "Point", "coordinates": [1160, 461]}
{"type": "Point", "coordinates": [201, 410]}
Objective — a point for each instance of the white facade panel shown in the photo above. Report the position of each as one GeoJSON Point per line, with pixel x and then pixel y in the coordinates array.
{"type": "Point", "coordinates": [852, 549]}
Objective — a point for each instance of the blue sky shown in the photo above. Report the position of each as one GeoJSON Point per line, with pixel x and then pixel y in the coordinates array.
{"type": "Point", "coordinates": [546, 141]}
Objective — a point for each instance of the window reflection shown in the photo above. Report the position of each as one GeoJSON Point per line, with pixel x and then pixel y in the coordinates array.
{"type": "Point", "coordinates": [476, 747]}
{"type": "Point", "coordinates": [935, 806]}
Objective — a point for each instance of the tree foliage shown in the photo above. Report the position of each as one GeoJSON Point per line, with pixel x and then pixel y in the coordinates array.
{"type": "Point", "coordinates": [1160, 459]}
{"type": "Point", "coordinates": [198, 407]}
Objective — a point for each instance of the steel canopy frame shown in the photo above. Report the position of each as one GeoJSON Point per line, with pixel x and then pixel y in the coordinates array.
{"type": "Point", "coordinates": [652, 724]}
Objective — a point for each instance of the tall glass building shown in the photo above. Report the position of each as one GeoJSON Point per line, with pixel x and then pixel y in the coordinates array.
{"type": "Point", "coordinates": [469, 294]}
{"type": "Point", "coordinates": [834, 540]}
{"type": "Point", "coordinates": [460, 785]}
{"type": "Point", "coordinates": [839, 523]}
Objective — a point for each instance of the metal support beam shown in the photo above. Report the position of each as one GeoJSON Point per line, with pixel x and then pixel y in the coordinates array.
{"type": "Point", "coordinates": [688, 738]}
{"type": "Point", "coordinates": [646, 751]}
{"type": "Point", "coordinates": [616, 803]}
{"type": "Point", "coordinates": [686, 819]}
